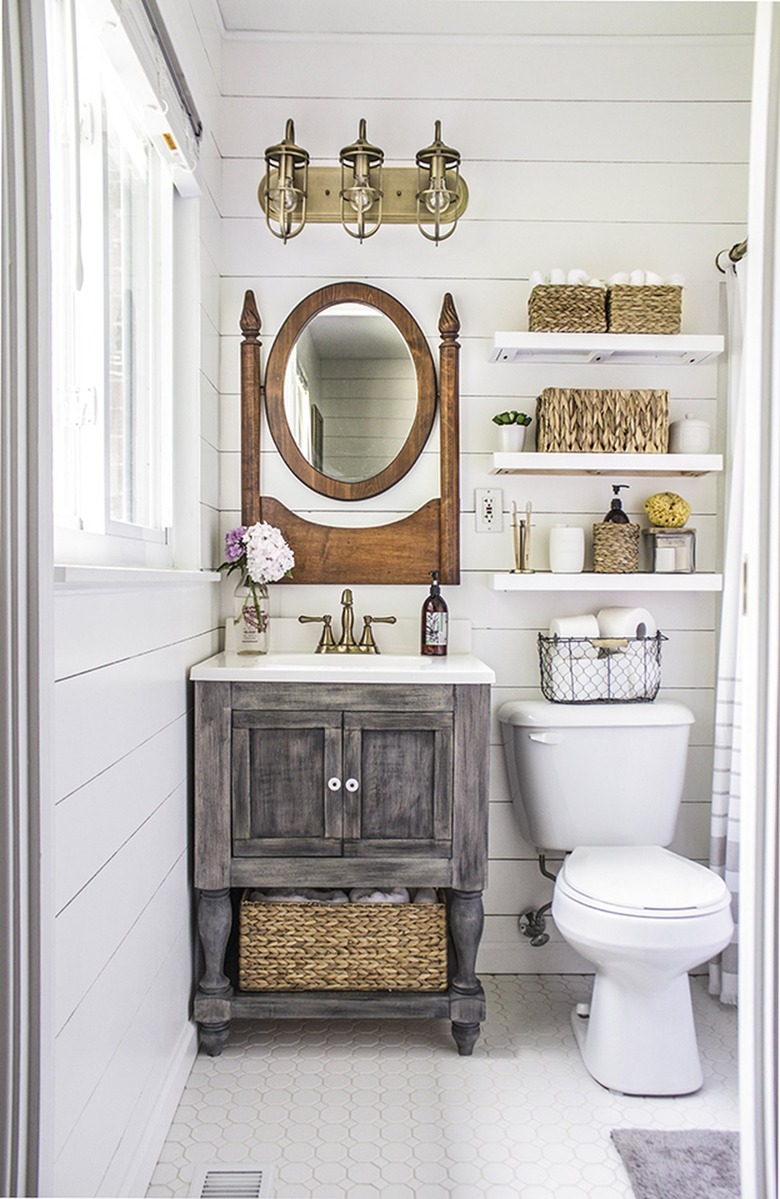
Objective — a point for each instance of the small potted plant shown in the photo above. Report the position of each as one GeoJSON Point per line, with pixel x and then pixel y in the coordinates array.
{"type": "Point", "coordinates": [512, 426]}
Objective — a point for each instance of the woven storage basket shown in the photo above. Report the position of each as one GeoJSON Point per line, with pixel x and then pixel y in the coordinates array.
{"type": "Point", "coordinates": [581, 422]}
{"type": "Point", "coordinates": [567, 308]}
{"type": "Point", "coordinates": [644, 309]}
{"type": "Point", "coordinates": [615, 548]}
{"type": "Point", "coordinates": [342, 947]}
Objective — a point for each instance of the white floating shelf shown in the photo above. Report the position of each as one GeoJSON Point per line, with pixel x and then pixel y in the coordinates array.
{"type": "Point", "coordinates": [641, 581]}
{"type": "Point", "coordinates": [662, 349]}
{"type": "Point", "coordinates": [605, 464]}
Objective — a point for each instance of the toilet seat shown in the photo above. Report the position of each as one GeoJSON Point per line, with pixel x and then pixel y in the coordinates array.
{"type": "Point", "coordinates": [641, 881]}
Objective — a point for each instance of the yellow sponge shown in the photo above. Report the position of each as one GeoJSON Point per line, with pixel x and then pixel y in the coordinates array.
{"type": "Point", "coordinates": [667, 510]}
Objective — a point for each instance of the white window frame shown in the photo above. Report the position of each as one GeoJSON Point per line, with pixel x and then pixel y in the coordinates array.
{"type": "Point", "coordinates": [86, 531]}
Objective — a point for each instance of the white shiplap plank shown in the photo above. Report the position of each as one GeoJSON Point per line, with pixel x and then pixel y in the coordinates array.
{"type": "Point", "coordinates": [122, 1041]}
{"type": "Point", "coordinates": [645, 69]}
{"type": "Point", "coordinates": [113, 806]}
{"type": "Point", "coordinates": [524, 129]}
{"type": "Point", "coordinates": [91, 929]}
{"type": "Point", "coordinates": [103, 715]}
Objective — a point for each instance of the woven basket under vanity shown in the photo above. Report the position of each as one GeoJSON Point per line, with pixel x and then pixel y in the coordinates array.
{"type": "Point", "coordinates": [342, 947]}
{"type": "Point", "coordinates": [645, 309]}
{"type": "Point", "coordinates": [615, 548]}
{"type": "Point", "coordinates": [609, 422]}
{"type": "Point", "coordinates": [567, 308]}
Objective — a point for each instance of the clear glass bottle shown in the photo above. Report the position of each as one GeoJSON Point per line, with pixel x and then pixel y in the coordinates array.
{"type": "Point", "coordinates": [250, 617]}
{"type": "Point", "coordinates": [433, 632]}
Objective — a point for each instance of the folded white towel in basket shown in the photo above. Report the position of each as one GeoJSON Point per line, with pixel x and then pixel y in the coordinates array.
{"type": "Point", "coordinates": [373, 895]}
{"type": "Point", "coordinates": [425, 895]}
{"type": "Point", "coordinates": [301, 895]}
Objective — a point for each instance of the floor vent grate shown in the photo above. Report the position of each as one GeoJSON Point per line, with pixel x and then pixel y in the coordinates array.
{"type": "Point", "coordinates": [232, 1182]}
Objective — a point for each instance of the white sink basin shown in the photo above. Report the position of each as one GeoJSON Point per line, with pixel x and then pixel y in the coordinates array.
{"type": "Point", "coordinates": [341, 668]}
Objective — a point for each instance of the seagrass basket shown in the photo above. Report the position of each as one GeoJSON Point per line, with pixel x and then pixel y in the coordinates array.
{"type": "Point", "coordinates": [647, 309]}
{"type": "Point", "coordinates": [342, 947]}
{"type": "Point", "coordinates": [567, 308]}
{"type": "Point", "coordinates": [615, 548]}
{"type": "Point", "coordinates": [590, 421]}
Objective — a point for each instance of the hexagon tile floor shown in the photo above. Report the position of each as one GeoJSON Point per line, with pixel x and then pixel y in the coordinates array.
{"type": "Point", "coordinates": [387, 1110]}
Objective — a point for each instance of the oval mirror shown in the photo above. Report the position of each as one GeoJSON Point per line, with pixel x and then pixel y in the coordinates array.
{"type": "Point", "coordinates": [350, 391]}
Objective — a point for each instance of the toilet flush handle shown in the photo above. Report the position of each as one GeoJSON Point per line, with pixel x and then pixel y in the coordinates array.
{"type": "Point", "coordinates": [545, 738]}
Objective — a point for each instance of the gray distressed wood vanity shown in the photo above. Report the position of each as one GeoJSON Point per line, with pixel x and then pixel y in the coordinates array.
{"type": "Point", "coordinates": [366, 771]}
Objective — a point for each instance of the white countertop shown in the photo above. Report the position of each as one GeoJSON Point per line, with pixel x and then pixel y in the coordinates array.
{"type": "Point", "coordinates": [341, 668]}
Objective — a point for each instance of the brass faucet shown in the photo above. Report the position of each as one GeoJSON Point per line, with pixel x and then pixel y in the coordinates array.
{"type": "Point", "coordinates": [346, 643]}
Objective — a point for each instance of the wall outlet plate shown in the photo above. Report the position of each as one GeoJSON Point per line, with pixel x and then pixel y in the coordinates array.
{"type": "Point", "coordinates": [489, 509]}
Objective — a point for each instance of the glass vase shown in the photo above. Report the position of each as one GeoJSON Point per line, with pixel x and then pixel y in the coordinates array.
{"type": "Point", "coordinates": [251, 617]}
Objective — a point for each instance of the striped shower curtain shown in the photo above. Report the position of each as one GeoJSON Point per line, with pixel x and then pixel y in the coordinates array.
{"type": "Point", "coordinates": [726, 775]}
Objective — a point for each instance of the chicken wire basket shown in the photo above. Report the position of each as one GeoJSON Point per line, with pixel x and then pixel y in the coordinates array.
{"type": "Point", "coordinates": [600, 670]}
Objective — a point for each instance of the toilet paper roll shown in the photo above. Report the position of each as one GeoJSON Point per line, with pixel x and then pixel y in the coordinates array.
{"type": "Point", "coordinates": [574, 626]}
{"type": "Point", "coordinates": [626, 622]}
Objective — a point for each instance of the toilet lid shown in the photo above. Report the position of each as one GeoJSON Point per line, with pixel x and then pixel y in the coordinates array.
{"type": "Point", "coordinates": [642, 879]}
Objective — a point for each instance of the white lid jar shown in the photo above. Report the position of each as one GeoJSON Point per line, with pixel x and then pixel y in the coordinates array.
{"type": "Point", "coordinates": [689, 436]}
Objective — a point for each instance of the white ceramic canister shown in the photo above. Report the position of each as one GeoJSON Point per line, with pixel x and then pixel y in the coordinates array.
{"type": "Point", "coordinates": [689, 436]}
{"type": "Point", "coordinates": [567, 549]}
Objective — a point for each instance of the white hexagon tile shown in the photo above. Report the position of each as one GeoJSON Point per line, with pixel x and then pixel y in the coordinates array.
{"type": "Point", "coordinates": [387, 1110]}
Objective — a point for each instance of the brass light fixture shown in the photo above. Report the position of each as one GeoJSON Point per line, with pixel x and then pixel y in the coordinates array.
{"type": "Point", "coordinates": [361, 193]}
{"type": "Point", "coordinates": [286, 186]}
{"type": "Point", "coordinates": [361, 186]}
{"type": "Point", "coordinates": [439, 171]}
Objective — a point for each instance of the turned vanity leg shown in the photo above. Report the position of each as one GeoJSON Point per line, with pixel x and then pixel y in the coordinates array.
{"type": "Point", "coordinates": [212, 1003]}
{"type": "Point", "coordinates": [467, 998]}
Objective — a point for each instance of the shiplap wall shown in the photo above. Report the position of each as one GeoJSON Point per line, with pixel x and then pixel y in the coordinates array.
{"type": "Point", "coordinates": [123, 940]}
{"type": "Point", "coordinates": [605, 153]}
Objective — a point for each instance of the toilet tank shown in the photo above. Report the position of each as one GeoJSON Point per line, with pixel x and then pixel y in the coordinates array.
{"type": "Point", "coordinates": [595, 774]}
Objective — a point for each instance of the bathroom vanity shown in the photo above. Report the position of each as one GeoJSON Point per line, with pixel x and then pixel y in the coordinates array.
{"type": "Point", "coordinates": [340, 771]}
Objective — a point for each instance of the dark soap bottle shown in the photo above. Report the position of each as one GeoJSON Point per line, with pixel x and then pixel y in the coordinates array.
{"type": "Point", "coordinates": [433, 633]}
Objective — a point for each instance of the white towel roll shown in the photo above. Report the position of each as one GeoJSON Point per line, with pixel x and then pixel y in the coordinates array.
{"type": "Point", "coordinates": [536, 279]}
{"type": "Point", "coordinates": [596, 283]}
{"type": "Point", "coordinates": [577, 275]}
{"type": "Point", "coordinates": [574, 626]}
{"type": "Point", "coordinates": [557, 275]}
{"type": "Point", "coordinates": [576, 681]}
{"type": "Point", "coordinates": [619, 278]}
{"type": "Point", "coordinates": [626, 622]}
{"type": "Point", "coordinates": [637, 278]}
{"type": "Point", "coordinates": [676, 280]}
{"type": "Point", "coordinates": [652, 279]}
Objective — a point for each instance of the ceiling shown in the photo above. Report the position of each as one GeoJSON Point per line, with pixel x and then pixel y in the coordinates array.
{"type": "Point", "coordinates": [485, 18]}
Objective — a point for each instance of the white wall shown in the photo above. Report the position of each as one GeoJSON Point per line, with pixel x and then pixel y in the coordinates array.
{"type": "Point", "coordinates": [606, 153]}
{"type": "Point", "coordinates": [123, 919]}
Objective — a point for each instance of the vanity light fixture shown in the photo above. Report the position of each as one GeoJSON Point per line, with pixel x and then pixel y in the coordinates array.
{"type": "Point", "coordinates": [361, 193]}
{"type": "Point", "coordinates": [438, 169]}
{"type": "Point", "coordinates": [361, 186]}
{"type": "Point", "coordinates": [286, 186]}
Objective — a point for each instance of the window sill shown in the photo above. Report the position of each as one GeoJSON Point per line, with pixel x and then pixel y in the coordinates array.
{"type": "Point", "coordinates": [99, 577]}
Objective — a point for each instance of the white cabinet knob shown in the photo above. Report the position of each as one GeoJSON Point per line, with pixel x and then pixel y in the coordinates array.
{"type": "Point", "coordinates": [334, 784]}
{"type": "Point", "coordinates": [352, 784]}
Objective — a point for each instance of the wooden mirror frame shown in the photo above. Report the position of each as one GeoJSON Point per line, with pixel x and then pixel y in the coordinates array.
{"type": "Point", "coordinates": [405, 551]}
{"type": "Point", "coordinates": [276, 371]}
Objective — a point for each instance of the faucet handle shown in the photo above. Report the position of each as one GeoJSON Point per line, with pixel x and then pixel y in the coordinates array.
{"type": "Point", "coordinates": [367, 645]}
{"type": "Point", "coordinates": [326, 642]}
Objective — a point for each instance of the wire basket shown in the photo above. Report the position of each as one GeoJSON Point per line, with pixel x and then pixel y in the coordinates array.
{"type": "Point", "coordinates": [600, 670]}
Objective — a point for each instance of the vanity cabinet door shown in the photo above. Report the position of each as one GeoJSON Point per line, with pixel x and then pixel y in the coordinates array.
{"type": "Point", "coordinates": [287, 772]}
{"type": "Point", "coordinates": [398, 783]}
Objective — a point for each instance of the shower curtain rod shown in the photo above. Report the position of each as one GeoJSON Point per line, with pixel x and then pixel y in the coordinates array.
{"type": "Point", "coordinates": [736, 253]}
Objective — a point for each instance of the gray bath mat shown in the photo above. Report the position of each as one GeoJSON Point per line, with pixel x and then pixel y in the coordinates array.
{"type": "Point", "coordinates": [680, 1165]}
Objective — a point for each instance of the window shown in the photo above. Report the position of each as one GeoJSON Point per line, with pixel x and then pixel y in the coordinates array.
{"type": "Point", "coordinates": [112, 187]}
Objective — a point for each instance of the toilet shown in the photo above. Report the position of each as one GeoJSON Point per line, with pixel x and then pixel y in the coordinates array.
{"type": "Point", "coordinates": [603, 783]}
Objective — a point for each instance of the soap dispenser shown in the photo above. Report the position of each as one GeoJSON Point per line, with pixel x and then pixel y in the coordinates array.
{"type": "Point", "coordinates": [433, 632]}
{"type": "Point", "coordinates": [616, 515]}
